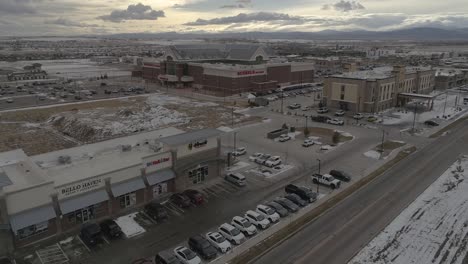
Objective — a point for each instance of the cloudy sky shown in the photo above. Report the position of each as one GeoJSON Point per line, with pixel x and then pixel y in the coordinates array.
{"type": "Point", "coordinates": [71, 17]}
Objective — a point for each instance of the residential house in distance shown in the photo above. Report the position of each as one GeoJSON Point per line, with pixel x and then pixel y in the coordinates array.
{"type": "Point", "coordinates": [30, 72]}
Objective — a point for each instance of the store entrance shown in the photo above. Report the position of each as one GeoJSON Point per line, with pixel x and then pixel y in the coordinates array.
{"type": "Point", "coordinates": [198, 175]}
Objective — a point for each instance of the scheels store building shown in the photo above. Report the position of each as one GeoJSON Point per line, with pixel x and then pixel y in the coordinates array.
{"type": "Point", "coordinates": [53, 193]}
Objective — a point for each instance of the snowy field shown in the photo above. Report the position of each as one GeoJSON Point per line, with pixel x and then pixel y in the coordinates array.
{"type": "Point", "coordinates": [433, 229]}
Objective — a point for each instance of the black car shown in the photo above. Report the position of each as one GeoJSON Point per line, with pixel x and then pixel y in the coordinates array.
{"type": "Point", "coordinates": [431, 123]}
{"type": "Point", "coordinates": [296, 199]}
{"type": "Point", "coordinates": [110, 228]}
{"type": "Point", "coordinates": [303, 192]}
{"type": "Point", "coordinates": [202, 246]}
{"type": "Point", "coordinates": [320, 118]}
{"type": "Point", "coordinates": [195, 196]}
{"type": "Point", "coordinates": [278, 208]}
{"type": "Point", "coordinates": [340, 175]}
{"type": "Point", "coordinates": [90, 234]}
{"type": "Point", "coordinates": [156, 211]}
{"type": "Point", "coordinates": [290, 206]}
{"type": "Point", "coordinates": [180, 200]}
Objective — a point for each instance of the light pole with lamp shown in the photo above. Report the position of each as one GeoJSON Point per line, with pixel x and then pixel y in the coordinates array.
{"type": "Point", "coordinates": [318, 184]}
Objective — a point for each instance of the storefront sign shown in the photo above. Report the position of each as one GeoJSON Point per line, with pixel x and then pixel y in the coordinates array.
{"type": "Point", "coordinates": [197, 144]}
{"type": "Point", "coordinates": [80, 187]}
{"type": "Point", "coordinates": [249, 72]}
{"type": "Point", "coordinates": [157, 161]}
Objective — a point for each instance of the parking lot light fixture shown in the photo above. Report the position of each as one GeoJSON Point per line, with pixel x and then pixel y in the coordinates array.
{"type": "Point", "coordinates": [318, 184]}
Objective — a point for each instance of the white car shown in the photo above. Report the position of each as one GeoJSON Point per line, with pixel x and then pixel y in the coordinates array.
{"type": "Point", "coordinates": [306, 108]}
{"type": "Point", "coordinates": [340, 113]}
{"type": "Point", "coordinates": [307, 143]}
{"type": "Point", "coordinates": [273, 161]}
{"type": "Point", "coordinates": [325, 147]}
{"type": "Point", "coordinates": [268, 212]}
{"type": "Point", "coordinates": [335, 121]}
{"type": "Point", "coordinates": [284, 138]}
{"type": "Point", "coordinates": [358, 116]}
{"type": "Point", "coordinates": [231, 233]}
{"type": "Point", "coordinates": [239, 151]}
{"type": "Point", "coordinates": [218, 241]}
{"type": "Point", "coordinates": [186, 255]}
{"type": "Point", "coordinates": [9, 100]}
{"type": "Point", "coordinates": [257, 219]}
{"type": "Point", "coordinates": [244, 225]}
{"type": "Point", "coordinates": [255, 156]}
{"type": "Point", "coordinates": [326, 179]}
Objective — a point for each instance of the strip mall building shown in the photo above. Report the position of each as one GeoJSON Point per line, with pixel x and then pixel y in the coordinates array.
{"type": "Point", "coordinates": [225, 69]}
{"type": "Point", "coordinates": [52, 193]}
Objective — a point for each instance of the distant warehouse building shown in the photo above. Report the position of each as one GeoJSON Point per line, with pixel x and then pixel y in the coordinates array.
{"type": "Point", "coordinates": [56, 192]}
{"type": "Point", "coordinates": [225, 69]}
{"type": "Point", "coordinates": [378, 89]}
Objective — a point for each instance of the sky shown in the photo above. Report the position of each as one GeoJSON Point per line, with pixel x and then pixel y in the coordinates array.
{"type": "Point", "coordinates": [77, 17]}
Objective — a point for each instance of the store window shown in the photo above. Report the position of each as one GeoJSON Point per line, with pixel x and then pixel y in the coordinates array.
{"type": "Point", "coordinates": [159, 189]}
{"type": "Point", "coordinates": [198, 175]}
{"type": "Point", "coordinates": [82, 215]}
{"type": "Point", "coordinates": [33, 230]}
{"type": "Point", "coordinates": [127, 200]}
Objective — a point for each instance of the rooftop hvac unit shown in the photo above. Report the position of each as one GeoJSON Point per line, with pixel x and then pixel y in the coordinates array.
{"type": "Point", "coordinates": [126, 148]}
{"type": "Point", "coordinates": [156, 147]}
{"type": "Point", "coordinates": [64, 159]}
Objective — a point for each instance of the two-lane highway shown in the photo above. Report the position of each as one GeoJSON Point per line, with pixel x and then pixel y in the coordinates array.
{"type": "Point", "coordinates": [340, 233]}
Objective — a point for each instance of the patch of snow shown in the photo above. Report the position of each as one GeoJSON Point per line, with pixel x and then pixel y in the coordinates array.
{"type": "Point", "coordinates": [66, 241]}
{"type": "Point", "coordinates": [128, 225]}
{"type": "Point", "coordinates": [225, 129]}
{"type": "Point", "coordinates": [239, 165]}
{"type": "Point", "coordinates": [372, 154]}
{"type": "Point", "coordinates": [266, 120]}
{"type": "Point", "coordinates": [398, 141]}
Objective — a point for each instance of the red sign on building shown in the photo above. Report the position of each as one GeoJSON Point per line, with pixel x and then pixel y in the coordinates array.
{"type": "Point", "coordinates": [250, 72]}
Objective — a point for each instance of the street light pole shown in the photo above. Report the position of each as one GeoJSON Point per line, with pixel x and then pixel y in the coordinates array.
{"type": "Point", "coordinates": [414, 119]}
{"type": "Point", "coordinates": [318, 184]}
{"type": "Point", "coordinates": [445, 104]}
{"type": "Point", "coordinates": [282, 97]}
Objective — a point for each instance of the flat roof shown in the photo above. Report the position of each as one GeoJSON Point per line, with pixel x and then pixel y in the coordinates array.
{"type": "Point", "coordinates": [378, 73]}
{"type": "Point", "coordinates": [414, 95]}
{"type": "Point", "coordinates": [190, 136]}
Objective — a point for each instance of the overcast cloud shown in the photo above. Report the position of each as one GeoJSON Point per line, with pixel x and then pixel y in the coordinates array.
{"type": "Point", "coordinates": [134, 12]}
{"type": "Point", "coordinates": [344, 6]}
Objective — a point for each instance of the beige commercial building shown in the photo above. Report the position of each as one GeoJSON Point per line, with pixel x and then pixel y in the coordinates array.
{"type": "Point", "coordinates": [378, 89]}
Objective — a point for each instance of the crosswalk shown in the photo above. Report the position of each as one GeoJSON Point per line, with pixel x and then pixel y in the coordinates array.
{"type": "Point", "coordinates": [52, 255]}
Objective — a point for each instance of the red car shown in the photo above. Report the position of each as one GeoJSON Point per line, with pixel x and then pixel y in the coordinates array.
{"type": "Point", "coordinates": [195, 196]}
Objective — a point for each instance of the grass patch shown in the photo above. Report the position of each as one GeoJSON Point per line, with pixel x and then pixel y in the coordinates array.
{"type": "Point", "coordinates": [298, 224]}
{"type": "Point", "coordinates": [448, 127]}
{"type": "Point", "coordinates": [342, 138]}
{"type": "Point", "coordinates": [389, 145]}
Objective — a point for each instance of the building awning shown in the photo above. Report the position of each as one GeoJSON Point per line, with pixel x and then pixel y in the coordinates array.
{"type": "Point", "coordinates": [127, 186]}
{"type": "Point", "coordinates": [31, 217]}
{"type": "Point", "coordinates": [186, 79]}
{"type": "Point", "coordinates": [82, 201]}
{"type": "Point", "coordinates": [168, 78]}
{"type": "Point", "coordinates": [160, 176]}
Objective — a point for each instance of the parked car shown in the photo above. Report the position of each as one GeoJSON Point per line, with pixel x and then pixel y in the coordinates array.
{"type": "Point", "coordinates": [9, 100]}
{"type": "Point", "coordinates": [195, 196]}
{"type": "Point", "coordinates": [244, 225]}
{"type": "Point", "coordinates": [255, 156]}
{"type": "Point", "coordinates": [306, 108]}
{"type": "Point", "coordinates": [326, 179]}
{"type": "Point", "coordinates": [268, 212]}
{"type": "Point", "coordinates": [166, 257]}
{"type": "Point", "coordinates": [111, 229]}
{"type": "Point", "coordinates": [156, 211]}
{"type": "Point", "coordinates": [296, 199]}
{"type": "Point", "coordinates": [322, 110]}
{"type": "Point", "coordinates": [278, 208]}
{"type": "Point", "coordinates": [231, 233]}
{"type": "Point", "coordinates": [219, 242]}
{"type": "Point", "coordinates": [202, 247]}
{"type": "Point", "coordinates": [303, 192]}
{"type": "Point", "coordinates": [106, 91]}
{"type": "Point", "coordinates": [372, 119]}
{"type": "Point", "coordinates": [335, 121]}
{"type": "Point", "coordinates": [320, 118]}
{"type": "Point", "coordinates": [257, 219]}
{"type": "Point", "coordinates": [284, 138]}
{"type": "Point", "coordinates": [290, 206]}
{"type": "Point", "coordinates": [186, 255]}
{"type": "Point", "coordinates": [262, 159]}
{"type": "Point", "coordinates": [273, 161]}
{"type": "Point", "coordinates": [340, 175]}
{"type": "Point", "coordinates": [180, 200]}
{"type": "Point", "coordinates": [358, 116]}
{"type": "Point", "coordinates": [90, 234]}
{"type": "Point", "coordinates": [340, 113]}
{"type": "Point", "coordinates": [294, 106]}
{"type": "Point", "coordinates": [239, 152]}
{"type": "Point", "coordinates": [307, 143]}
{"type": "Point", "coordinates": [431, 123]}
{"type": "Point", "coordinates": [236, 178]}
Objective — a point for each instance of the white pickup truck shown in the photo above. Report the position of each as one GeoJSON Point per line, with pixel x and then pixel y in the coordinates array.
{"type": "Point", "coordinates": [326, 179]}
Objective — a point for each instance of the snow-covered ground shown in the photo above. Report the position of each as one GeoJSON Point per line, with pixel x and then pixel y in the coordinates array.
{"type": "Point", "coordinates": [129, 227]}
{"type": "Point", "coordinates": [372, 154]}
{"type": "Point", "coordinates": [433, 229]}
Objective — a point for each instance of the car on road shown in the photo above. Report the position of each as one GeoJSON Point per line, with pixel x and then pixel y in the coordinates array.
{"type": "Point", "coordinates": [257, 219]}
{"type": "Point", "coordinates": [294, 106]}
{"type": "Point", "coordinates": [307, 143]}
{"type": "Point", "coordinates": [244, 225]}
{"type": "Point", "coordinates": [186, 255]}
{"type": "Point", "coordinates": [236, 178]}
{"type": "Point", "coordinates": [268, 212]}
{"type": "Point", "coordinates": [335, 121]}
{"type": "Point", "coordinates": [322, 110]}
{"type": "Point", "coordinates": [156, 211]}
{"type": "Point", "coordinates": [303, 192]}
{"type": "Point", "coordinates": [284, 138]}
{"type": "Point", "coordinates": [340, 113]}
{"type": "Point", "coordinates": [231, 233]}
{"type": "Point", "coordinates": [326, 179]}
{"type": "Point", "coordinates": [290, 206]}
{"type": "Point", "coordinates": [202, 247]}
{"type": "Point", "coordinates": [296, 199]}
{"type": "Point", "coordinates": [340, 175]}
{"type": "Point", "coordinates": [273, 161]}
{"type": "Point", "coordinates": [431, 123]}
{"type": "Point", "coordinates": [9, 100]}
{"type": "Point", "coordinates": [239, 152]}
{"type": "Point", "coordinates": [180, 200]}
{"type": "Point", "coordinates": [111, 229]}
{"type": "Point", "coordinates": [166, 257]}
{"type": "Point", "coordinates": [90, 234]}
{"type": "Point", "coordinates": [283, 212]}
{"type": "Point", "coordinates": [320, 118]}
{"type": "Point", "coordinates": [358, 116]}
{"type": "Point", "coordinates": [195, 196]}
{"type": "Point", "coordinates": [219, 242]}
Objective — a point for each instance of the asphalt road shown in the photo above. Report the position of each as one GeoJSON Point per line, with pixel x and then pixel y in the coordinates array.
{"type": "Point", "coordinates": [340, 233]}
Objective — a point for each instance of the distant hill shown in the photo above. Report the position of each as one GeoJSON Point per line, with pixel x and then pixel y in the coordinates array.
{"type": "Point", "coordinates": [415, 34]}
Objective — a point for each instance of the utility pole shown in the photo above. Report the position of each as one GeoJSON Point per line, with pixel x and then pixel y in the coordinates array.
{"type": "Point", "coordinates": [445, 104]}
{"type": "Point", "coordinates": [414, 119]}
{"type": "Point", "coordinates": [282, 97]}
{"type": "Point", "coordinates": [318, 184]}
{"type": "Point", "coordinates": [232, 117]}
{"type": "Point", "coordinates": [382, 144]}
{"type": "Point", "coordinates": [235, 140]}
